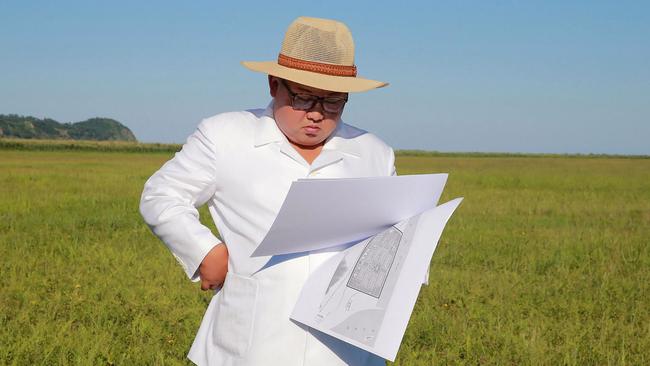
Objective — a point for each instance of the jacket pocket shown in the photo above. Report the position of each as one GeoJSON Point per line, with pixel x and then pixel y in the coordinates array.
{"type": "Point", "coordinates": [235, 314]}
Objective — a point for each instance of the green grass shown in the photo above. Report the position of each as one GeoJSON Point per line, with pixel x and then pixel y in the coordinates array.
{"type": "Point", "coordinates": [85, 145]}
{"type": "Point", "coordinates": [546, 262]}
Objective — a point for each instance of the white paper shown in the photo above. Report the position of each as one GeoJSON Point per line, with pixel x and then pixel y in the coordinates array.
{"type": "Point", "coordinates": [365, 294]}
{"type": "Point", "coordinates": [320, 213]}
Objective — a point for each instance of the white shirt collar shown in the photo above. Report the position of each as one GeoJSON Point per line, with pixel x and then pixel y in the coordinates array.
{"type": "Point", "coordinates": [268, 130]}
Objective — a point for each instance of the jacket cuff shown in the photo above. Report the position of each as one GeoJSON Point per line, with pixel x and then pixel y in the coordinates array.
{"type": "Point", "coordinates": [205, 245]}
{"type": "Point", "coordinates": [189, 242]}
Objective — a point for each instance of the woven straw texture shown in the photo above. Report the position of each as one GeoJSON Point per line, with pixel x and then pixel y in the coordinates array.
{"type": "Point", "coordinates": [316, 40]}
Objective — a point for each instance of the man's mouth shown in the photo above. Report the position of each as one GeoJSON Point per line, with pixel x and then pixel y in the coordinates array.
{"type": "Point", "coordinates": [312, 129]}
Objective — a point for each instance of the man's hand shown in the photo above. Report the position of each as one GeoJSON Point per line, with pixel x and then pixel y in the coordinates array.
{"type": "Point", "coordinates": [214, 267]}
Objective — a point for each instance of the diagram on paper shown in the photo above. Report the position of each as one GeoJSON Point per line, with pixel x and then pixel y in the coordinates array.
{"type": "Point", "coordinates": [355, 300]}
{"type": "Point", "coordinates": [365, 294]}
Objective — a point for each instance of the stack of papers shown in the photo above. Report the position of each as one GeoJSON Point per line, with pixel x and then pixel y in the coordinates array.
{"type": "Point", "coordinates": [365, 294]}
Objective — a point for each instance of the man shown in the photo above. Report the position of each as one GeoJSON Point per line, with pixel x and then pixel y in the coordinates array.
{"type": "Point", "coordinates": [241, 164]}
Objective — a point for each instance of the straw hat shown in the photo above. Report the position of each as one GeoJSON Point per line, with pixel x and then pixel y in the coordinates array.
{"type": "Point", "coordinates": [317, 53]}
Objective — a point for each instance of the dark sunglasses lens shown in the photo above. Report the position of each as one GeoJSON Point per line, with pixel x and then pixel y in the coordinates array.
{"type": "Point", "coordinates": [303, 102]}
{"type": "Point", "coordinates": [333, 105]}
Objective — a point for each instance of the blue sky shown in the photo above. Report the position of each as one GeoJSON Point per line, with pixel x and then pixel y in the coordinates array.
{"type": "Point", "coordinates": [497, 76]}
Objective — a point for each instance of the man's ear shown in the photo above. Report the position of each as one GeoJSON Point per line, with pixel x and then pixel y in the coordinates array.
{"type": "Point", "coordinates": [274, 83]}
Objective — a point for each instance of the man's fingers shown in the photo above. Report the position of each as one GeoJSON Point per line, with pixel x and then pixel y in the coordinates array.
{"type": "Point", "coordinates": [209, 285]}
{"type": "Point", "coordinates": [205, 285]}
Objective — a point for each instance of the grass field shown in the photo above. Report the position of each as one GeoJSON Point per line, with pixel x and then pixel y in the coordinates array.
{"type": "Point", "coordinates": [546, 262]}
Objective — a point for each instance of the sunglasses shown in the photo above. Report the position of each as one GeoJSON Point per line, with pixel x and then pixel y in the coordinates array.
{"type": "Point", "coordinates": [305, 102]}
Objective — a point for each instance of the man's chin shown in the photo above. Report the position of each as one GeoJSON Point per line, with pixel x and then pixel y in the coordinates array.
{"type": "Point", "coordinates": [310, 141]}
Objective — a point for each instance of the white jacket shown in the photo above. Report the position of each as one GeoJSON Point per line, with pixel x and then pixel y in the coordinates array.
{"type": "Point", "coordinates": [241, 165]}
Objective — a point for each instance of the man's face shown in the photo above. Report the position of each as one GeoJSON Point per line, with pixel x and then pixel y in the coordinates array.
{"type": "Point", "coordinates": [304, 128]}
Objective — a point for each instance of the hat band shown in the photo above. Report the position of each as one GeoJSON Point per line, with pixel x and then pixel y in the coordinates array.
{"type": "Point", "coordinates": [327, 69]}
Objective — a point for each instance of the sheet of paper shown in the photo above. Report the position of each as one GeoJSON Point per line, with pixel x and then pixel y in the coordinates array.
{"type": "Point", "coordinates": [365, 294]}
{"type": "Point", "coordinates": [319, 213]}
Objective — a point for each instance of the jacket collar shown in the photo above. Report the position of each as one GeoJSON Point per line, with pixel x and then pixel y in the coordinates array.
{"type": "Point", "coordinates": [342, 139]}
{"type": "Point", "coordinates": [267, 130]}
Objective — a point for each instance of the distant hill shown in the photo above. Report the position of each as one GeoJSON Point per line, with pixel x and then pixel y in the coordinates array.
{"type": "Point", "coordinates": [27, 127]}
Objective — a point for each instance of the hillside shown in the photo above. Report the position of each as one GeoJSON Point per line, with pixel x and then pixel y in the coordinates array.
{"type": "Point", "coordinates": [28, 127]}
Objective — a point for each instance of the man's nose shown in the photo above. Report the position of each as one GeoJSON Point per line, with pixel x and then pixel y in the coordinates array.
{"type": "Point", "coordinates": [316, 113]}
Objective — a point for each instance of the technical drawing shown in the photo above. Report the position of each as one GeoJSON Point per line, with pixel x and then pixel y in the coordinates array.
{"type": "Point", "coordinates": [371, 270]}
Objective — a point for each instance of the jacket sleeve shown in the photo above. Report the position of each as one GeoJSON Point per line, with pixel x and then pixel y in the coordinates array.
{"type": "Point", "coordinates": [391, 163]}
{"type": "Point", "coordinates": [171, 196]}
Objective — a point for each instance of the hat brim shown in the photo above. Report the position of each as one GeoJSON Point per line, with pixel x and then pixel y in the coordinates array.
{"type": "Point", "coordinates": [342, 84]}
